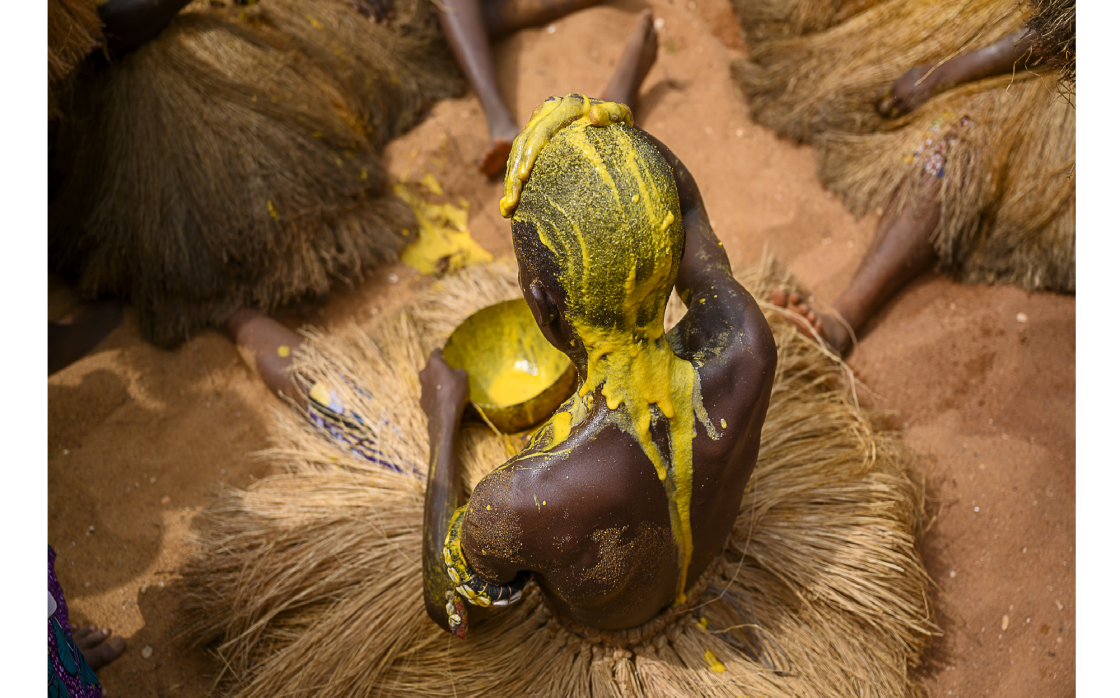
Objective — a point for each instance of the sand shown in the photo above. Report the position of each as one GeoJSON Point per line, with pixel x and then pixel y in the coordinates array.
{"type": "Point", "coordinates": [982, 380]}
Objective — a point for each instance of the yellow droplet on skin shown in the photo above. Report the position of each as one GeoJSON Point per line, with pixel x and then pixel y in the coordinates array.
{"type": "Point", "coordinates": [723, 423]}
{"type": "Point", "coordinates": [284, 351]}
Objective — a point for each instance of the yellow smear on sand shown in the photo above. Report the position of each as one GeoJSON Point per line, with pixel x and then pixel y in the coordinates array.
{"type": "Point", "coordinates": [444, 243]}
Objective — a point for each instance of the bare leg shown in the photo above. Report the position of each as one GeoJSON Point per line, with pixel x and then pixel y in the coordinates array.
{"type": "Point", "coordinates": [273, 348]}
{"type": "Point", "coordinates": [465, 30]}
{"type": "Point", "coordinates": [903, 249]}
{"type": "Point", "coordinates": [96, 646]}
{"type": "Point", "coordinates": [637, 59]}
{"type": "Point", "coordinates": [469, 27]}
{"type": "Point", "coordinates": [507, 16]}
{"type": "Point", "coordinates": [922, 82]}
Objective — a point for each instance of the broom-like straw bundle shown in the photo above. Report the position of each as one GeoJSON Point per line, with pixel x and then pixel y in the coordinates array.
{"type": "Point", "coordinates": [1007, 190]}
{"type": "Point", "coordinates": [73, 30]}
{"type": "Point", "coordinates": [1055, 25]}
{"type": "Point", "coordinates": [828, 82]}
{"type": "Point", "coordinates": [230, 162]}
{"type": "Point", "coordinates": [310, 580]}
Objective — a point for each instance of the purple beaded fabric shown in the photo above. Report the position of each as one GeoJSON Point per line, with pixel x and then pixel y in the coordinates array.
{"type": "Point", "coordinates": [68, 674]}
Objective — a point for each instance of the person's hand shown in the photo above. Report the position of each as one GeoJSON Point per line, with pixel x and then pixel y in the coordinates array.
{"type": "Point", "coordinates": [547, 120]}
{"type": "Point", "coordinates": [443, 387]}
{"type": "Point", "coordinates": [909, 92]}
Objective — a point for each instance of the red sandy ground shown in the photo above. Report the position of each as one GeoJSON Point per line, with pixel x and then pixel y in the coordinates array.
{"type": "Point", "coordinates": [140, 439]}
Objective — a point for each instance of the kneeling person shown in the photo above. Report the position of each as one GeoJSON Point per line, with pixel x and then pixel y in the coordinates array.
{"type": "Point", "coordinates": [625, 496]}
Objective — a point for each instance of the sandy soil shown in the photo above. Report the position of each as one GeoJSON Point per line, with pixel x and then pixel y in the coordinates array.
{"type": "Point", "coordinates": [140, 439]}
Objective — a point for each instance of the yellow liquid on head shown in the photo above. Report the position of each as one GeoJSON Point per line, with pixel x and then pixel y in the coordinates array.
{"type": "Point", "coordinates": [513, 385]}
{"type": "Point", "coordinates": [621, 277]}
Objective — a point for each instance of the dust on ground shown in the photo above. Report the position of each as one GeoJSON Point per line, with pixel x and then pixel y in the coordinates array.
{"type": "Point", "coordinates": [982, 379]}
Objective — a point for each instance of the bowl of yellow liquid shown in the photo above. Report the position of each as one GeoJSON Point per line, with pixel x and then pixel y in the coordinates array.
{"type": "Point", "coordinates": [517, 378]}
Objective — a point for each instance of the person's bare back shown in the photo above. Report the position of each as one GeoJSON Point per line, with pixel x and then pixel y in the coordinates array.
{"type": "Point", "coordinates": [623, 499]}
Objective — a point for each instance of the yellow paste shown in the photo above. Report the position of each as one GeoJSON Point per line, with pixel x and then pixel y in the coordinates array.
{"type": "Point", "coordinates": [444, 243]}
{"type": "Point", "coordinates": [515, 385]}
{"type": "Point", "coordinates": [604, 203]}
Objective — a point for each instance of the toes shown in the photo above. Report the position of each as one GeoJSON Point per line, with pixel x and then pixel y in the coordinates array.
{"type": "Point", "coordinates": [778, 297]}
{"type": "Point", "coordinates": [104, 652]}
{"type": "Point", "coordinates": [494, 161]}
{"type": "Point", "coordinates": [89, 636]}
{"type": "Point", "coordinates": [794, 298]}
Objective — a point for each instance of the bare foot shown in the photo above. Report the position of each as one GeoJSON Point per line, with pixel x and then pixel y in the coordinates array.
{"type": "Point", "coordinates": [910, 91]}
{"type": "Point", "coordinates": [831, 329]}
{"type": "Point", "coordinates": [494, 160]}
{"type": "Point", "coordinates": [97, 646]}
{"type": "Point", "coordinates": [634, 64]}
{"type": "Point", "coordinates": [273, 347]}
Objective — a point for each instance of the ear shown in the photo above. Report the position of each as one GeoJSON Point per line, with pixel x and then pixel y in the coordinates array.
{"type": "Point", "coordinates": [541, 304]}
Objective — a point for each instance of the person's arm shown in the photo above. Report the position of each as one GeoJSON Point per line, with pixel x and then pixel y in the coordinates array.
{"type": "Point", "coordinates": [720, 310]}
{"type": "Point", "coordinates": [443, 396]}
{"type": "Point", "coordinates": [921, 83]}
{"type": "Point", "coordinates": [453, 605]}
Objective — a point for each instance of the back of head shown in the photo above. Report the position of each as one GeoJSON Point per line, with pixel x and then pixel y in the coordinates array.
{"type": "Point", "coordinates": [599, 218]}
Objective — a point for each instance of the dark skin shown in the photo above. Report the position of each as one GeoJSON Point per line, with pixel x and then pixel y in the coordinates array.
{"type": "Point", "coordinates": [601, 546]}
{"type": "Point", "coordinates": [97, 645]}
{"type": "Point", "coordinates": [471, 25]}
{"type": "Point", "coordinates": [128, 24]}
{"type": "Point", "coordinates": [903, 246]}
{"type": "Point", "coordinates": [921, 83]}
{"type": "Point", "coordinates": [265, 338]}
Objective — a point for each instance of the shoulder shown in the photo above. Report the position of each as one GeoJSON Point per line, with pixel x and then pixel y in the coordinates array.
{"type": "Point", "coordinates": [725, 333]}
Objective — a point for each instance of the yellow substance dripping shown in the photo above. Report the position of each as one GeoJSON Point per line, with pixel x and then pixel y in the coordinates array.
{"type": "Point", "coordinates": [444, 243]}
{"type": "Point", "coordinates": [546, 121]}
{"type": "Point", "coordinates": [629, 359]}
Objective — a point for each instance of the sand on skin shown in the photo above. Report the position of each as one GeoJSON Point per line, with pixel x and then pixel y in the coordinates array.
{"type": "Point", "coordinates": [140, 439]}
